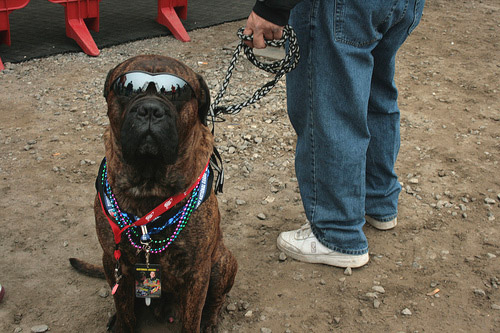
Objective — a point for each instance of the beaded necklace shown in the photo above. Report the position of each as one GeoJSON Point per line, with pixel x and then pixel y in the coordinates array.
{"type": "Point", "coordinates": [124, 219]}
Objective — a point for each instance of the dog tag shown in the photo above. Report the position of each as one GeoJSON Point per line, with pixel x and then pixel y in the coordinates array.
{"type": "Point", "coordinates": [115, 287]}
{"type": "Point", "coordinates": [147, 281]}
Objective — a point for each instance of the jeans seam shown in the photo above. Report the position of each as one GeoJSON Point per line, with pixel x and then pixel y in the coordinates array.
{"type": "Point", "coordinates": [311, 117]}
{"type": "Point", "coordinates": [385, 219]}
{"type": "Point", "coordinates": [392, 12]}
{"type": "Point", "coordinates": [415, 20]}
{"type": "Point", "coordinates": [335, 248]}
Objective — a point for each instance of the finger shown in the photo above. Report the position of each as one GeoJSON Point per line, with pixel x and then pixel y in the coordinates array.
{"type": "Point", "coordinates": [269, 35]}
{"type": "Point", "coordinates": [278, 34]}
{"type": "Point", "coordinates": [258, 41]}
{"type": "Point", "coordinates": [248, 32]}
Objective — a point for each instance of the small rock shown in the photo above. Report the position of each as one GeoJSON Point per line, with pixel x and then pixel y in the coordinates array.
{"type": "Point", "coordinates": [17, 318]}
{"type": "Point", "coordinates": [379, 289]}
{"type": "Point", "coordinates": [348, 271]}
{"type": "Point", "coordinates": [274, 189]}
{"type": "Point", "coordinates": [371, 295]}
{"type": "Point", "coordinates": [249, 314]}
{"type": "Point", "coordinates": [265, 330]}
{"type": "Point", "coordinates": [408, 189]}
{"type": "Point", "coordinates": [413, 180]}
{"type": "Point", "coordinates": [336, 320]}
{"type": "Point", "coordinates": [18, 330]}
{"type": "Point", "coordinates": [103, 292]}
{"type": "Point", "coordinates": [231, 307]}
{"type": "Point", "coordinates": [269, 200]}
{"type": "Point", "coordinates": [322, 282]}
{"type": "Point", "coordinates": [479, 292]}
{"type": "Point", "coordinates": [282, 256]}
{"type": "Point", "coordinates": [261, 216]}
{"type": "Point", "coordinates": [240, 202]}
{"type": "Point", "coordinates": [39, 328]}
{"type": "Point", "coordinates": [442, 203]}
{"type": "Point", "coordinates": [489, 201]}
{"type": "Point", "coordinates": [376, 304]}
{"type": "Point", "coordinates": [495, 306]}
{"type": "Point", "coordinates": [491, 255]}
{"type": "Point", "coordinates": [406, 312]}
{"type": "Point", "coordinates": [244, 305]}
{"type": "Point", "coordinates": [494, 282]}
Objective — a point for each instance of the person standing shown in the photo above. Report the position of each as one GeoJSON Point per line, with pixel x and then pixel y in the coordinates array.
{"type": "Point", "coordinates": [342, 103]}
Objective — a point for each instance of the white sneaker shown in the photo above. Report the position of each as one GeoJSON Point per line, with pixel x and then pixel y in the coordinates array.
{"type": "Point", "coordinates": [302, 245]}
{"type": "Point", "coordinates": [381, 225]}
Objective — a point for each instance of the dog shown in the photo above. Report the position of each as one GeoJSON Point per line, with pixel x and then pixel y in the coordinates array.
{"type": "Point", "coordinates": [157, 148]}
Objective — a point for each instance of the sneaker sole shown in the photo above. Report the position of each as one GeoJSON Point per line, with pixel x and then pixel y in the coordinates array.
{"type": "Point", "coordinates": [381, 225]}
{"type": "Point", "coordinates": [343, 261]}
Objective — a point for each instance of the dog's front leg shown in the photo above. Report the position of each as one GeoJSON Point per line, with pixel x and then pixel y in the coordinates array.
{"type": "Point", "coordinates": [124, 296]}
{"type": "Point", "coordinates": [192, 300]}
{"type": "Point", "coordinates": [221, 281]}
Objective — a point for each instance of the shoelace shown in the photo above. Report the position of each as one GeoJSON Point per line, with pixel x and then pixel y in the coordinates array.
{"type": "Point", "coordinates": [304, 231]}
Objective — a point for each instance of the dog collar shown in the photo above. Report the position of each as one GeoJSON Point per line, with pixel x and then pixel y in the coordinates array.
{"type": "Point", "coordinates": [121, 221]}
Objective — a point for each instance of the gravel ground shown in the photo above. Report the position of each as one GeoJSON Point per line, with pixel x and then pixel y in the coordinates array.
{"type": "Point", "coordinates": [437, 271]}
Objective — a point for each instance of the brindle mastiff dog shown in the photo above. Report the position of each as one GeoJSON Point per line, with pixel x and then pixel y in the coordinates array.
{"type": "Point", "coordinates": [157, 146]}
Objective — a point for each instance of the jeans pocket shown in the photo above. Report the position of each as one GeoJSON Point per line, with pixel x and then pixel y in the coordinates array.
{"type": "Point", "coordinates": [363, 22]}
{"type": "Point", "coordinates": [417, 15]}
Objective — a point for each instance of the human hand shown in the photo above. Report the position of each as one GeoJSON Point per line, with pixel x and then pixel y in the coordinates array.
{"type": "Point", "coordinates": [262, 30]}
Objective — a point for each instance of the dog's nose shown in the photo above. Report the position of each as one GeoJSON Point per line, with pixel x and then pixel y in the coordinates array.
{"type": "Point", "coordinates": [149, 109]}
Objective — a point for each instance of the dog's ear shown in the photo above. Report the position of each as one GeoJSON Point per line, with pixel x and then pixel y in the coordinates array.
{"type": "Point", "coordinates": [203, 100]}
{"type": "Point", "coordinates": [107, 84]}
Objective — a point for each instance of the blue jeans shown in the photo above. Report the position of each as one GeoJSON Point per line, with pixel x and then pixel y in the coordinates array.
{"type": "Point", "coordinates": [342, 102]}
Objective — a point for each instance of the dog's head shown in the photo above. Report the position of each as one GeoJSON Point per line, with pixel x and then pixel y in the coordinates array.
{"type": "Point", "coordinates": [153, 104]}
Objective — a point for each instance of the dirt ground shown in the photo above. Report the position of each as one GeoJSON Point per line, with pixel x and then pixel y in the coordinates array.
{"type": "Point", "coordinates": [52, 116]}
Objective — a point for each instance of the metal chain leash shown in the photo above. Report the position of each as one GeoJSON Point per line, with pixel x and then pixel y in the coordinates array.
{"type": "Point", "coordinates": [279, 68]}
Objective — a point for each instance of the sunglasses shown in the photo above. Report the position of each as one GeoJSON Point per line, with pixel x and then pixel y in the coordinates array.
{"type": "Point", "coordinates": [174, 88]}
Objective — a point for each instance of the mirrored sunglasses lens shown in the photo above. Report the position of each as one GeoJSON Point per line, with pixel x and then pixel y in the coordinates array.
{"type": "Point", "coordinates": [174, 88]}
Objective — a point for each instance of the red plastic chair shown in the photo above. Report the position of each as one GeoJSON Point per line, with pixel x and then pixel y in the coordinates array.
{"type": "Point", "coordinates": [6, 7]}
{"type": "Point", "coordinates": [82, 15]}
{"type": "Point", "coordinates": [169, 12]}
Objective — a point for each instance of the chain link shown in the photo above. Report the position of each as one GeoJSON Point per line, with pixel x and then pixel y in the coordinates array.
{"type": "Point", "coordinates": [279, 68]}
